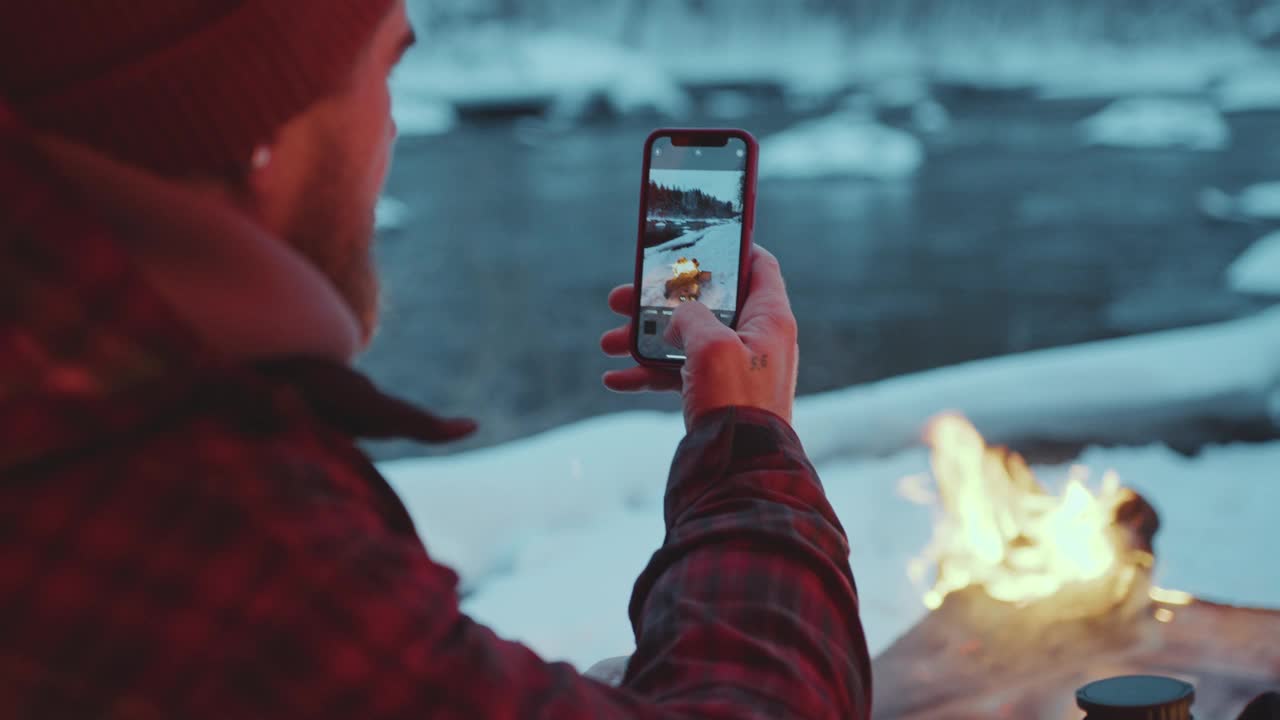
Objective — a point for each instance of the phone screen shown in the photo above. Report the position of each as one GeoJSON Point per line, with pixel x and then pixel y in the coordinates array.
{"type": "Point", "coordinates": [694, 198]}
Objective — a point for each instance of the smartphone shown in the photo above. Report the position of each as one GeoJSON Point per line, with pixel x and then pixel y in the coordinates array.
{"type": "Point", "coordinates": [697, 213]}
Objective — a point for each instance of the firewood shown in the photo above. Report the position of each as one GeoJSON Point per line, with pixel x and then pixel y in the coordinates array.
{"type": "Point", "coordinates": [687, 286]}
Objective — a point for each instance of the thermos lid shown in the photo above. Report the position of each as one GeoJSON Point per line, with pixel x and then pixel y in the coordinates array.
{"type": "Point", "coordinates": [1137, 697]}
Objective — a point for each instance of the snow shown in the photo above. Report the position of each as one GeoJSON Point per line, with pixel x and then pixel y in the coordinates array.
{"type": "Point", "coordinates": [418, 114]}
{"type": "Point", "coordinates": [639, 54]}
{"type": "Point", "coordinates": [549, 533]}
{"type": "Point", "coordinates": [390, 214]}
{"type": "Point", "coordinates": [565, 479]}
{"type": "Point", "coordinates": [901, 90]}
{"type": "Point", "coordinates": [716, 249]}
{"type": "Point", "coordinates": [1078, 70]}
{"type": "Point", "coordinates": [1154, 122]}
{"type": "Point", "coordinates": [1257, 270]}
{"type": "Point", "coordinates": [930, 116]}
{"type": "Point", "coordinates": [842, 144]}
{"type": "Point", "coordinates": [496, 64]}
{"type": "Point", "coordinates": [1252, 88]}
{"type": "Point", "coordinates": [1256, 202]}
{"type": "Point", "coordinates": [1264, 22]}
{"type": "Point", "coordinates": [729, 104]}
{"type": "Point", "coordinates": [564, 592]}
{"type": "Point", "coordinates": [1129, 390]}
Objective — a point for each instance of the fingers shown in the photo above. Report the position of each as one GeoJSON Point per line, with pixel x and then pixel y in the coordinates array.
{"type": "Point", "coordinates": [617, 342]}
{"type": "Point", "coordinates": [640, 379]}
{"type": "Point", "coordinates": [766, 293]}
{"type": "Point", "coordinates": [694, 328]}
{"type": "Point", "coordinates": [767, 310]}
{"type": "Point", "coordinates": [622, 300]}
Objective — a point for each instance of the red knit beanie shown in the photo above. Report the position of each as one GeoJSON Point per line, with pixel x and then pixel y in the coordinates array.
{"type": "Point", "coordinates": [179, 86]}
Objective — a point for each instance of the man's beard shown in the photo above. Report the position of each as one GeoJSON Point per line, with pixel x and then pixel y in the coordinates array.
{"type": "Point", "coordinates": [335, 232]}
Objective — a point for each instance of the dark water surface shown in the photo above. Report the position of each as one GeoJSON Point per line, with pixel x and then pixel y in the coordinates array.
{"type": "Point", "coordinates": [1012, 237]}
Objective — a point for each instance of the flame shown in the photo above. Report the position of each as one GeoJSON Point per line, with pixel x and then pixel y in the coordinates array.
{"type": "Point", "coordinates": [685, 266]}
{"type": "Point", "coordinates": [1170, 597]}
{"type": "Point", "coordinates": [1001, 531]}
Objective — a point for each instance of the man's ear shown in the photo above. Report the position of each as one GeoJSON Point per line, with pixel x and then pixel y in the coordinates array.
{"type": "Point", "coordinates": [261, 176]}
{"type": "Point", "coordinates": [264, 189]}
{"type": "Point", "coordinates": [275, 170]}
{"type": "Point", "coordinates": [247, 187]}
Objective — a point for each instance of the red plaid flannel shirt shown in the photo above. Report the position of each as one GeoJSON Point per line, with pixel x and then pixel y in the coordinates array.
{"type": "Point", "coordinates": [185, 537]}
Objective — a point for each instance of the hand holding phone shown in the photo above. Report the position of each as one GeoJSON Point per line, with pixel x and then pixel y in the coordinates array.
{"type": "Point", "coordinates": [697, 211]}
{"type": "Point", "coordinates": [709, 312]}
{"type": "Point", "coordinates": [754, 366]}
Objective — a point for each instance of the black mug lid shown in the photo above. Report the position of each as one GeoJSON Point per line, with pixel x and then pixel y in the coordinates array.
{"type": "Point", "coordinates": [1137, 697]}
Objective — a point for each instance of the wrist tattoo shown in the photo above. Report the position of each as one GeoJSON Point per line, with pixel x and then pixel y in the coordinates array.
{"type": "Point", "coordinates": [759, 362]}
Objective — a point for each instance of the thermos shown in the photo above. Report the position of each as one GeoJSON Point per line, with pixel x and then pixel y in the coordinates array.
{"type": "Point", "coordinates": [1137, 697]}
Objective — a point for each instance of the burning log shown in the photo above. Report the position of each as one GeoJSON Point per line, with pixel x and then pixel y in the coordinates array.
{"type": "Point", "coordinates": [687, 281]}
{"type": "Point", "coordinates": [1036, 596]}
{"type": "Point", "coordinates": [975, 657]}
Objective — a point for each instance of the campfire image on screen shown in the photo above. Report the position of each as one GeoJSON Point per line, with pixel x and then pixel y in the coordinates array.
{"type": "Point", "coordinates": [688, 280]}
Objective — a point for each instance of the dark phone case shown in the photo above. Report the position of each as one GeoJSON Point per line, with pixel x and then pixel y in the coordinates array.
{"type": "Point", "coordinates": [748, 224]}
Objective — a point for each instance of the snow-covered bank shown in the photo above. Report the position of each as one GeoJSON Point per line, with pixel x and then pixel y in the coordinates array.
{"type": "Point", "coordinates": [1153, 122]}
{"type": "Point", "coordinates": [844, 144]}
{"type": "Point", "coordinates": [549, 533]}
{"type": "Point", "coordinates": [1129, 390]}
{"type": "Point", "coordinates": [390, 214]}
{"type": "Point", "coordinates": [1258, 269]}
{"type": "Point", "coordinates": [577, 515]}
{"type": "Point", "coordinates": [493, 64]}
{"type": "Point", "coordinates": [417, 113]}
{"type": "Point", "coordinates": [640, 54]}
{"type": "Point", "coordinates": [568, 477]}
{"type": "Point", "coordinates": [1255, 87]}
{"type": "Point", "coordinates": [1256, 202]}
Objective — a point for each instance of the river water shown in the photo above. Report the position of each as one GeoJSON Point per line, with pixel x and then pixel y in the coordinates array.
{"type": "Point", "coordinates": [1012, 237]}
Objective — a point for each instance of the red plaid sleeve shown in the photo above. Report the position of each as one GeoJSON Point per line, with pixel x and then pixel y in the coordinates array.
{"type": "Point", "coordinates": [747, 611]}
{"type": "Point", "coordinates": [750, 608]}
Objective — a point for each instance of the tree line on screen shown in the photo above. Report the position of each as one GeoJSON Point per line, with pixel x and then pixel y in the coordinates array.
{"type": "Point", "coordinates": [673, 202]}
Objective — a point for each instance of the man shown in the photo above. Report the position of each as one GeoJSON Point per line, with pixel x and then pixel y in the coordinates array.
{"type": "Point", "coordinates": [189, 529]}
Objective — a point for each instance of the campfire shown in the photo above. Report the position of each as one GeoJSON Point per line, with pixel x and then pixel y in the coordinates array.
{"type": "Point", "coordinates": [1000, 530]}
{"type": "Point", "coordinates": [687, 280]}
{"type": "Point", "coordinates": [1034, 594]}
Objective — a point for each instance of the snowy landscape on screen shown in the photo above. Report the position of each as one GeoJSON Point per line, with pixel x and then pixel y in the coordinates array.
{"type": "Point", "coordinates": [552, 563]}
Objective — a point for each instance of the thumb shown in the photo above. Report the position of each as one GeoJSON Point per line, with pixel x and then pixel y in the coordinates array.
{"type": "Point", "coordinates": [693, 326]}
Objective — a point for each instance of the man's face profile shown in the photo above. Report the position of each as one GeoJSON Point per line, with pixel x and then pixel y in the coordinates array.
{"type": "Point", "coordinates": [335, 159]}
